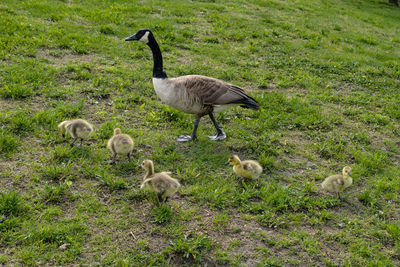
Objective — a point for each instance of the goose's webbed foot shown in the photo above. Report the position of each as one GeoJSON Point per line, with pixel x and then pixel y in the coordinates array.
{"type": "Point", "coordinates": [220, 135]}
{"type": "Point", "coordinates": [185, 138]}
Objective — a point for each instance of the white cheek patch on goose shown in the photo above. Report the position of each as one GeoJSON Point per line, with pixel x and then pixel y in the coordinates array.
{"type": "Point", "coordinates": [145, 38]}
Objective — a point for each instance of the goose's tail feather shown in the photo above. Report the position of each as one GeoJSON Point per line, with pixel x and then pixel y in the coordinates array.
{"type": "Point", "coordinates": [248, 102]}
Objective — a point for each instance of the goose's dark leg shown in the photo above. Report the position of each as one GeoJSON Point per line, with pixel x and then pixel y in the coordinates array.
{"type": "Point", "coordinates": [186, 138]}
{"type": "Point", "coordinates": [220, 135]}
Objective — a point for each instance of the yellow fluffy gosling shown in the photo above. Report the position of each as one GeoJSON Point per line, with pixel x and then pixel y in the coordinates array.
{"type": "Point", "coordinates": [247, 168]}
{"type": "Point", "coordinates": [337, 183]}
{"type": "Point", "coordinates": [76, 128]}
{"type": "Point", "coordinates": [160, 183]}
{"type": "Point", "coordinates": [120, 144]}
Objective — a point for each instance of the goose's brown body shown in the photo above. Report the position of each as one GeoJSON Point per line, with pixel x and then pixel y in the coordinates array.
{"type": "Point", "coordinates": [201, 95]}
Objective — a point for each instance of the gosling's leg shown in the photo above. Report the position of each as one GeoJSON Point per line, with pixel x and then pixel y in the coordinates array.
{"type": "Point", "coordinates": [220, 135]}
{"type": "Point", "coordinates": [129, 156]}
{"type": "Point", "coordinates": [72, 144]}
{"type": "Point", "coordinates": [159, 199]}
{"type": "Point", "coordinates": [114, 157]}
{"type": "Point", "coordinates": [186, 138]}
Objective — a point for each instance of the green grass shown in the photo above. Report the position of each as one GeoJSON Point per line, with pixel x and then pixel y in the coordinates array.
{"type": "Point", "coordinates": [326, 74]}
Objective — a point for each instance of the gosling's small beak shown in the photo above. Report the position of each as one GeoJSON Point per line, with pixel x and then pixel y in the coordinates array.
{"type": "Point", "coordinates": [349, 173]}
{"type": "Point", "coordinates": [132, 38]}
{"type": "Point", "coordinates": [227, 163]}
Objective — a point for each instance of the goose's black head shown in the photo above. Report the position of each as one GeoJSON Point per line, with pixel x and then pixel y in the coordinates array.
{"type": "Point", "coordinates": [141, 35]}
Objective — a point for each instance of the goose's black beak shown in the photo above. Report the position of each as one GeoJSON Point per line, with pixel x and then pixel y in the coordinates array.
{"type": "Point", "coordinates": [132, 38]}
{"type": "Point", "coordinates": [227, 163]}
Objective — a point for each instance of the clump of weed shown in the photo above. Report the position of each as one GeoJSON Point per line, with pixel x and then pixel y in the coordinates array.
{"type": "Point", "coordinates": [57, 172]}
{"type": "Point", "coordinates": [161, 213]}
{"type": "Point", "coordinates": [191, 246]}
{"type": "Point", "coordinates": [65, 154]}
{"type": "Point", "coordinates": [271, 219]}
{"type": "Point", "coordinates": [268, 162]}
{"type": "Point", "coordinates": [167, 154]}
{"type": "Point", "coordinates": [9, 223]}
{"type": "Point", "coordinates": [101, 92]}
{"type": "Point", "coordinates": [331, 147]}
{"type": "Point", "coordinates": [107, 29]}
{"type": "Point", "coordinates": [51, 213]}
{"type": "Point", "coordinates": [124, 167]}
{"type": "Point", "coordinates": [17, 91]}
{"type": "Point", "coordinates": [61, 153]}
{"type": "Point", "coordinates": [220, 221]}
{"type": "Point", "coordinates": [70, 110]}
{"type": "Point", "coordinates": [137, 195]}
{"type": "Point", "coordinates": [369, 198]}
{"type": "Point", "coordinates": [11, 203]}
{"type": "Point", "coordinates": [8, 143]}
{"type": "Point", "coordinates": [111, 182]}
{"type": "Point", "coordinates": [394, 230]}
{"type": "Point", "coordinates": [68, 232]}
{"type": "Point", "coordinates": [56, 193]}
{"type": "Point", "coordinates": [21, 123]}
{"type": "Point", "coordinates": [371, 163]}
{"type": "Point", "coordinates": [47, 118]}
{"type": "Point", "coordinates": [105, 130]}
{"type": "Point", "coordinates": [171, 115]}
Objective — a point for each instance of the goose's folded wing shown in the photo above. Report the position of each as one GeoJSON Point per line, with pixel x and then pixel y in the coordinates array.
{"type": "Point", "coordinates": [211, 91]}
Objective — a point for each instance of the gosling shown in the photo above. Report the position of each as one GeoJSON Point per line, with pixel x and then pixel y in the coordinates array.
{"type": "Point", "coordinates": [120, 144]}
{"type": "Point", "coordinates": [247, 168]}
{"type": "Point", "coordinates": [78, 129]}
{"type": "Point", "coordinates": [337, 183]}
{"type": "Point", "coordinates": [163, 185]}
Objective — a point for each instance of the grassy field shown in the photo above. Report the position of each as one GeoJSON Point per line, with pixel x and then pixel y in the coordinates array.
{"type": "Point", "coordinates": [327, 76]}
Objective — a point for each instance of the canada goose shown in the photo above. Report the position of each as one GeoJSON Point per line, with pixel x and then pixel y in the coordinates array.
{"type": "Point", "coordinates": [121, 144]}
{"type": "Point", "coordinates": [194, 94]}
{"type": "Point", "coordinates": [160, 183]}
{"type": "Point", "coordinates": [246, 168]}
{"type": "Point", "coordinates": [337, 183]}
{"type": "Point", "coordinates": [76, 128]}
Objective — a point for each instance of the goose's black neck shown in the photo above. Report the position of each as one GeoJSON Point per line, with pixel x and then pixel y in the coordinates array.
{"type": "Point", "coordinates": [157, 58]}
